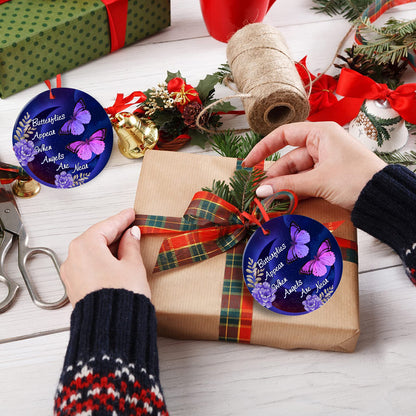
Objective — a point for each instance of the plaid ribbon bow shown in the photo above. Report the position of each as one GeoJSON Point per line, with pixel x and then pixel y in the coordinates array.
{"type": "Point", "coordinates": [210, 226]}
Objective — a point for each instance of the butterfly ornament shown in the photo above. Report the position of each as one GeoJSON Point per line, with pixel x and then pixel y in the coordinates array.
{"type": "Point", "coordinates": [63, 139]}
{"type": "Point", "coordinates": [293, 269]}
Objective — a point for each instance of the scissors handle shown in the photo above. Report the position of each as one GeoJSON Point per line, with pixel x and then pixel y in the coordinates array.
{"type": "Point", "coordinates": [24, 253]}
{"type": "Point", "coordinates": [12, 287]}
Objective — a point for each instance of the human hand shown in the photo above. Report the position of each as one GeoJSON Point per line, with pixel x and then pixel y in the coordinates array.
{"type": "Point", "coordinates": [327, 163]}
{"type": "Point", "coordinates": [91, 265]}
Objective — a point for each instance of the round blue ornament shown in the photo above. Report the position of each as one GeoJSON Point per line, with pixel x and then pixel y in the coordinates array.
{"type": "Point", "coordinates": [65, 141]}
{"type": "Point", "coordinates": [294, 269]}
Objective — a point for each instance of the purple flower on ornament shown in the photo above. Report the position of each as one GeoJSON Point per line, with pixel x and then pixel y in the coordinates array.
{"type": "Point", "coordinates": [312, 303]}
{"type": "Point", "coordinates": [264, 294]}
{"type": "Point", "coordinates": [64, 180]}
{"type": "Point", "coordinates": [25, 151]}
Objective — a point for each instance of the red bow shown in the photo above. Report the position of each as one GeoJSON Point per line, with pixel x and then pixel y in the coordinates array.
{"type": "Point", "coordinates": [123, 102]}
{"type": "Point", "coordinates": [357, 88]}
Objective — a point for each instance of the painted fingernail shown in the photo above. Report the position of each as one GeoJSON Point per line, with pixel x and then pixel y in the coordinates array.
{"type": "Point", "coordinates": [135, 232]}
{"type": "Point", "coordinates": [264, 191]}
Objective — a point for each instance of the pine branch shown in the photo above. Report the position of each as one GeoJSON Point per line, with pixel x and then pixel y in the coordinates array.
{"type": "Point", "coordinates": [389, 43]}
{"type": "Point", "coordinates": [221, 189]}
{"type": "Point", "coordinates": [411, 127]}
{"type": "Point", "coordinates": [223, 72]}
{"type": "Point", "coordinates": [241, 190]}
{"type": "Point", "coordinates": [350, 9]}
{"type": "Point", "coordinates": [244, 184]}
{"type": "Point", "coordinates": [229, 144]}
{"type": "Point", "coordinates": [398, 158]}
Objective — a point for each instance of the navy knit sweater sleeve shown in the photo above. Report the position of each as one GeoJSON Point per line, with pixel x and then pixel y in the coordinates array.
{"type": "Point", "coordinates": [386, 209]}
{"type": "Point", "coordinates": [111, 365]}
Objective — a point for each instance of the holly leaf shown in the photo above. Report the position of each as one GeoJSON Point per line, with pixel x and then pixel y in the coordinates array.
{"type": "Point", "coordinates": [224, 106]}
{"type": "Point", "coordinates": [198, 138]}
{"type": "Point", "coordinates": [161, 117]}
{"type": "Point", "coordinates": [206, 85]}
{"type": "Point", "coordinates": [172, 75]}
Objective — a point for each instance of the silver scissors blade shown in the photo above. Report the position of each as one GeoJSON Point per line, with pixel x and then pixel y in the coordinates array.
{"type": "Point", "coordinates": [9, 214]}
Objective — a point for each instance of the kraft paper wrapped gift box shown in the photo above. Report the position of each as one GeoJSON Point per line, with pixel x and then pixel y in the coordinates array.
{"type": "Point", "coordinates": [42, 38]}
{"type": "Point", "coordinates": [189, 300]}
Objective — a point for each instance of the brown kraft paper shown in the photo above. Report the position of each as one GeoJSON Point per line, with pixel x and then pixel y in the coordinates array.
{"type": "Point", "coordinates": [188, 299]}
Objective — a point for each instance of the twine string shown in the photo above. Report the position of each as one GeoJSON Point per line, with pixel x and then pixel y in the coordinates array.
{"type": "Point", "coordinates": [247, 84]}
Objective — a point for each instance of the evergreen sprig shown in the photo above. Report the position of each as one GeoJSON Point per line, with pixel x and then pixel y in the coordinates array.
{"type": "Point", "coordinates": [229, 144]}
{"type": "Point", "coordinates": [389, 43]}
{"type": "Point", "coordinates": [349, 9]}
{"type": "Point", "coordinates": [241, 190]}
{"type": "Point", "coordinates": [224, 71]}
{"type": "Point", "coordinates": [398, 158]}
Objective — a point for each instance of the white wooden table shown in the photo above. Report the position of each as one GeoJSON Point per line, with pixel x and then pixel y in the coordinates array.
{"type": "Point", "coordinates": [198, 377]}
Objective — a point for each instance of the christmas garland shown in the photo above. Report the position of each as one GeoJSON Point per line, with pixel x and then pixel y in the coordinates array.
{"type": "Point", "coordinates": [173, 107]}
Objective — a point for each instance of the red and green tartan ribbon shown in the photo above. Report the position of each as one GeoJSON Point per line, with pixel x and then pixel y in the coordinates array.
{"type": "Point", "coordinates": [236, 303]}
{"type": "Point", "coordinates": [374, 11]}
{"type": "Point", "coordinates": [210, 226]}
{"type": "Point", "coordinates": [349, 250]}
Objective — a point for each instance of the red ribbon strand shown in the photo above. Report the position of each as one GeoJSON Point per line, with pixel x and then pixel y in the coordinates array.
{"type": "Point", "coordinates": [117, 21]}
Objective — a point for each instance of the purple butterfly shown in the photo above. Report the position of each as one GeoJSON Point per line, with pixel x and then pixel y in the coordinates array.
{"type": "Point", "coordinates": [80, 116]}
{"type": "Point", "coordinates": [317, 266]}
{"type": "Point", "coordinates": [85, 149]}
{"type": "Point", "coordinates": [299, 239]}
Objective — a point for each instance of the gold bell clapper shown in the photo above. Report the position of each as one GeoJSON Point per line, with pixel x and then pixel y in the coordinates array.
{"type": "Point", "coordinates": [136, 134]}
{"type": "Point", "coordinates": [24, 186]}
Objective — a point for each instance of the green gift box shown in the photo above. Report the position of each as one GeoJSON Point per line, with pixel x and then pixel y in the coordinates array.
{"type": "Point", "coordinates": [40, 39]}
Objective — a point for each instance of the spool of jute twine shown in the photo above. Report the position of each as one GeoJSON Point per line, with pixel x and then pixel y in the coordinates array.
{"type": "Point", "coordinates": [266, 77]}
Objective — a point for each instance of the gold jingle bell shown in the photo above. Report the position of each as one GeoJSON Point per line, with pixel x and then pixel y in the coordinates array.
{"type": "Point", "coordinates": [25, 188]}
{"type": "Point", "coordinates": [136, 134]}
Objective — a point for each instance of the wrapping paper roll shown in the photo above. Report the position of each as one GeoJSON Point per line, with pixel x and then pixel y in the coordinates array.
{"type": "Point", "coordinates": [262, 67]}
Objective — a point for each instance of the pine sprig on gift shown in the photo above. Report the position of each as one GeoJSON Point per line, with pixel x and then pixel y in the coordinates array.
{"type": "Point", "coordinates": [389, 43]}
{"type": "Point", "coordinates": [350, 9]}
{"type": "Point", "coordinates": [229, 144]}
{"type": "Point", "coordinates": [241, 190]}
{"type": "Point", "coordinates": [221, 189]}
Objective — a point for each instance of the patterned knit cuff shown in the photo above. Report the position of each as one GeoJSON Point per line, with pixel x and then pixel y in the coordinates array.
{"type": "Point", "coordinates": [386, 210]}
{"type": "Point", "coordinates": [114, 322]}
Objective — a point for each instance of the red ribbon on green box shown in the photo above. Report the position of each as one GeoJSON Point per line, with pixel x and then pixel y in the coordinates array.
{"type": "Point", "coordinates": [117, 21]}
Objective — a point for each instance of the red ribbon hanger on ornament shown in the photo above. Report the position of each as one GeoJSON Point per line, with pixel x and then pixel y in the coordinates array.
{"type": "Point", "coordinates": [356, 88]}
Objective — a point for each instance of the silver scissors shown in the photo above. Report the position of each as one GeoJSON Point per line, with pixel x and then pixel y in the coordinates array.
{"type": "Point", "coordinates": [11, 227]}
